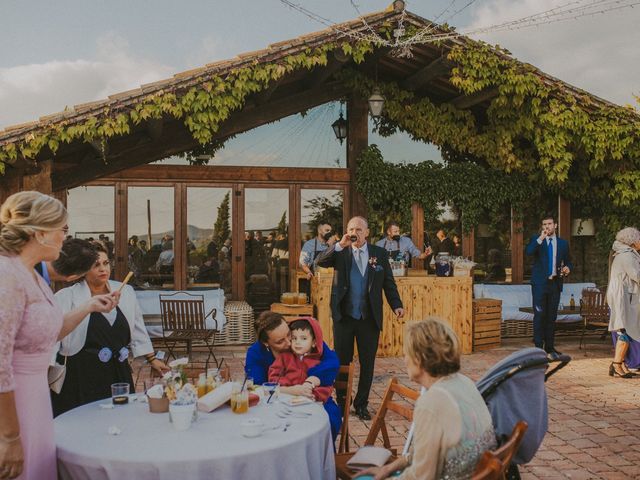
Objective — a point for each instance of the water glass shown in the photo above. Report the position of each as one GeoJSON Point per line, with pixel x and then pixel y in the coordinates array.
{"type": "Point", "coordinates": [120, 393]}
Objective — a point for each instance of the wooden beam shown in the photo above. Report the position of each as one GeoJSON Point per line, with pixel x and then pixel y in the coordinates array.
{"type": "Point", "coordinates": [322, 74]}
{"type": "Point", "coordinates": [417, 233]}
{"type": "Point", "coordinates": [564, 218]}
{"type": "Point", "coordinates": [154, 128]}
{"type": "Point", "coordinates": [178, 139]}
{"type": "Point", "coordinates": [467, 101]}
{"type": "Point", "coordinates": [517, 248]}
{"type": "Point", "coordinates": [357, 141]}
{"type": "Point", "coordinates": [440, 66]}
{"type": "Point", "coordinates": [40, 180]}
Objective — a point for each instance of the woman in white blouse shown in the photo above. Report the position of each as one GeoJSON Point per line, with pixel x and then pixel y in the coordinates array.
{"type": "Point", "coordinates": [453, 427]}
{"type": "Point", "coordinates": [96, 353]}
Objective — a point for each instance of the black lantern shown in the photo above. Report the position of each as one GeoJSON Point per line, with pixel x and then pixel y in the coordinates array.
{"type": "Point", "coordinates": [340, 128]}
{"type": "Point", "coordinates": [376, 104]}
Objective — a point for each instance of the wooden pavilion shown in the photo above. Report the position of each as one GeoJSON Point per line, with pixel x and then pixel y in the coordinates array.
{"type": "Point", "coordinates": [104, 143]}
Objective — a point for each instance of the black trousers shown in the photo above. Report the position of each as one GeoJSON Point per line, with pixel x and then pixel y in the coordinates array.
{"type": "Point", "coordinates": [546, 298]}
{"type": "Point", "coordinates": [366, 333]}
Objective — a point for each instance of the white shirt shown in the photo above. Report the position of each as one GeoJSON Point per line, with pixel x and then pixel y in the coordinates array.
{"type": "Point", "coordinates": [364, 256]}
{"type": "Point", "coordinates": [554, 242]}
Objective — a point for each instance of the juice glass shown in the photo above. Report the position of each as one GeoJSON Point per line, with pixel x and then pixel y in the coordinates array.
{"type": "Point", "coordinates": [202, 385]}
{"type": "Point", "coordinates": [302, 298]}
{"type": "Point", "coordinates": [241, 403]}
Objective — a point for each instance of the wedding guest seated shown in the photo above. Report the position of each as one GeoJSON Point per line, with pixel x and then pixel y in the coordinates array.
{"type": "Point", "coordinates": [290, 368]}
{"type": "Point", "coordinates": [97, 351]}
{"type": "Point", "coordinates": [274, 338]}
{"type": "Point", "coordinates": [453, 427]}
{"type": "Point", "coordinates": [209, 271]}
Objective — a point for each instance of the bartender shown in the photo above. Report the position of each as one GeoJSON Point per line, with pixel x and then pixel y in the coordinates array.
{"type": "Point", "coordinates": [401, 248]}
{"type": "Point", "coordinates": [312, 248]}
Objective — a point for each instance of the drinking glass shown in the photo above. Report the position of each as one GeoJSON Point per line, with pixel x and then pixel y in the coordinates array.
{"type": "Point", "coordinates": [120, 393]}
{"type": "Point", "coordinates": [302, 298]}
{"type": "Point", "coordinates": [202, 385]}
{"type": "Point", "coordinates": [271, 389]}
{"type": "Point", "coordinates": [239, 400]}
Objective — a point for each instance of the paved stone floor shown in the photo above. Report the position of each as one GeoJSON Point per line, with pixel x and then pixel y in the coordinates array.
{"type": "Point", "coordinates": [594, 419]}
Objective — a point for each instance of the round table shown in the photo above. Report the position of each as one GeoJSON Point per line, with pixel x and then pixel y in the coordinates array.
{"type": "Point", "coordinates": [149, 447]}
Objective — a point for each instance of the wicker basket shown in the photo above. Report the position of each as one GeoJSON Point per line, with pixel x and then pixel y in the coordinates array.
{"type": "Point", "coordinates": [524, 329]}
{"type": "Point", "coordinates": [239, 326]}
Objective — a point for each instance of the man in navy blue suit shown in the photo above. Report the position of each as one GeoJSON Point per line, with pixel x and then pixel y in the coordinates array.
{"type": "Point", "coordinates": [551, 263]}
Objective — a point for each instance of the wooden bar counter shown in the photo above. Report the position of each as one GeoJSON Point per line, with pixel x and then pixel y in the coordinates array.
{"type": "Point", "coordinates": [447, 297]}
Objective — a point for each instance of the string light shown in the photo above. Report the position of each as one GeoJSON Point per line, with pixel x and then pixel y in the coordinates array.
{"type": "Point", "coordinates": [401, 47]}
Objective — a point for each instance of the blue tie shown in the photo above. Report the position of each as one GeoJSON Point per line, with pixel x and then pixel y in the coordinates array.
{"type": "Point", "coordinates": [550, 256]}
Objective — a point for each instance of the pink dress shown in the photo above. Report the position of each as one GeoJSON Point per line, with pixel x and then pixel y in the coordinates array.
{"type": "Point", "coordinates": [30, 322]}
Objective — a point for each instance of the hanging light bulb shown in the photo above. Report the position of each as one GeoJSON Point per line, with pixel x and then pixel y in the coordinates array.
{"type": "Point", "coordinates": [340, 127]}
{"type": "Point", "coordinates": [376, 103]}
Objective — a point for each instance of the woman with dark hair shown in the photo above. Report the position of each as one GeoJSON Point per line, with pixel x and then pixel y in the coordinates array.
{"type": "Point", "coordinates": [97, 351]}
{"type": "Point", "coordinates": [274, 337]}
{"type": "Point", "coordinates": [452, 425]}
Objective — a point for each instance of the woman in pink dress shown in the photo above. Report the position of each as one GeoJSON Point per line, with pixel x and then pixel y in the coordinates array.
{"type": "Point", "coordinates": [32, 229]}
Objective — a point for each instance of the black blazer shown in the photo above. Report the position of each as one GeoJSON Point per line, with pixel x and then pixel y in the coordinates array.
{"type": "Point", "coordinates": [380, 278]}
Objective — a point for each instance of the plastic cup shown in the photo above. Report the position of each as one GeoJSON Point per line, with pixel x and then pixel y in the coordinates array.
{"type": "Point", "coordinates": [120, 393]}
{"type": "Point", "coordinates": [182, 415]}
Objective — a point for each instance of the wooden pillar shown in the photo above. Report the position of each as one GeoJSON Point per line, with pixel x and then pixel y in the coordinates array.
{"type": "Point", "coordinates": [417, 233]}
{"type": "Point", "coordinates": [469, 243]}
{"type": "Point", "coordinates": [180, 236]}
{"type": "Point", "coordinates": [40, 180]}
{"type": "Point", "coordinates": [237, 242]}
{"type": "Point", "coordinates": [517, 248]}
{"type": "Point", "coordinates": [11, 183]}
{"type": "Point", "coordinates": [121, 224]}
{"type": "Point", "coordinates": [357, 141]}
{"type": "Point", "coordinates": [564, 218]}
{"type": "Point", "coordinates": [295, 199]}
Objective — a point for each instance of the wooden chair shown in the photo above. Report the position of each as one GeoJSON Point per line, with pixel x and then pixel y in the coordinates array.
{"type": "Point", "coordinates": [508, 449]}
{"type": "Point", "coordinates": [344, 388]}
{"type": "Point", "coordinates": [489, 468]}
{"type": "Point", "coordinates": [594, 311]}
{"type": "Point", "coordinates": [184, 321]}
{"type": "Point", "coordinates": [378, 424]}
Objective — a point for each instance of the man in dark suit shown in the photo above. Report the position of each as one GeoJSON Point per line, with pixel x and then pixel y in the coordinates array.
{"type": "Point", "coordinates": [362, 272]}
{"type": "Point", "coordinates": [551, 263]}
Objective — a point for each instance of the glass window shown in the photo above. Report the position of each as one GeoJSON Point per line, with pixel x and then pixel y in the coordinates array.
{"type": "Point", "coordinates": [302, 140]}
{"type": "Point", "coordinates": [266, 244]}
{"type": "Point", "coordinates": [209, 230]}
{"type": "Point", "coordinates": [443, 233]}
{"type": "Point", "coordinates": [91, 215]}
{"type": "Point", "coordinates": [151, 236]}
{"type": "Point", "coordinates": [317, 205]}
{"type": "Point", "coordinates": [401, 148]}
{"type": "Point", "coordinates": [492, 249]}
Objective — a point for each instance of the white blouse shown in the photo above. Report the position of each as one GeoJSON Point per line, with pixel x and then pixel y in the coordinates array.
{"type": "Point", "coordinates": [74, 296]}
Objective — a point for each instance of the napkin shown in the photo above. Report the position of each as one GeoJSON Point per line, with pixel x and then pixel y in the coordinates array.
{"type": "Point", "coordinates": [369, 456]}
{"type": "Point", "coordinates": [215, 398]}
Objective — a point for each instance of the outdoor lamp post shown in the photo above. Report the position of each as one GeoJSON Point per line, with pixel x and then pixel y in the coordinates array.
{"type": "Point", "coordinates": [376, 103]}
{"type": "Point", "coordinates": [340, 128]}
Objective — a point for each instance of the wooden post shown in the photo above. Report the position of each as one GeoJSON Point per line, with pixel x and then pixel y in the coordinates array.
{"type": "Point", "coordinates": [11, 183]}
{"type": "Point", "coordinates": [417, 233]}
{"type": "Point", "coordinates": [564, 218]}
{"type": "Point", "coordinates": [469, 243]}
{"type": "Point", "coordinates": [517, 248]}
{"type": "Point", "coordinates": [357, 141]}
{"type": "Point", "coordinates": [121, 223]}
{"type": "Point", "coordinates": [294, 235]}
{"type": "Point", "coordinates": [149, 223]}
{"type": "Point", "coordinates": [41, 180]}
{"type": "Point", "coordinates": [237, 259]}
{"type": "Point", "coordinates": [180, 260]}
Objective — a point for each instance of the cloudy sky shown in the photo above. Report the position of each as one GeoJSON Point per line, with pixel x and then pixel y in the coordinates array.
{"type": "Point", "coordinates": [67, 52]}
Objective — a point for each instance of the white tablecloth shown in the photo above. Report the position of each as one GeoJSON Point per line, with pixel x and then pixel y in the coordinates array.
{"type": "Point", "coordinates": [213, 448]}
{"type": "Point", "coordinates": [149, 301]}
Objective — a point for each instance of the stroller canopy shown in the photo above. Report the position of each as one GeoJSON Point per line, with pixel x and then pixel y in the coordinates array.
{"type": "Point", "coordinates": [514, 390]}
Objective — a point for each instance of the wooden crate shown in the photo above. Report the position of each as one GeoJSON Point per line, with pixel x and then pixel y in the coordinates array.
{"type": "Point", "coordinates": [487, 320]}
{"type": "Point", "coordinates": [292, 312]}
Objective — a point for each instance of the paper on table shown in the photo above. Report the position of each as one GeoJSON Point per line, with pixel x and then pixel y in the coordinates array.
{"type": "Point", "coordinates": [215, 398]}
{"type": "Point", "coordinates": [369, 456]}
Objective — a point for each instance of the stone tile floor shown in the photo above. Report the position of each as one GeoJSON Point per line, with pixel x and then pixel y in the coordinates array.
{"type": "Point", "coordinates": [594, 419]}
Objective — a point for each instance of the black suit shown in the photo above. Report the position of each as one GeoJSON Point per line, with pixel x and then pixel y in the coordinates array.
{"type": "Point", "coordinates": [365, 330]}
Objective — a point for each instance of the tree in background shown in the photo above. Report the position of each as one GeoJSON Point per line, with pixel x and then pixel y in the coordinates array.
{"type": "Point", "coordinates": [283, 227]}
{"type": "Point", "coordinates": [221, 229]}
{"type": "Point", "coordinates": [328, 209]}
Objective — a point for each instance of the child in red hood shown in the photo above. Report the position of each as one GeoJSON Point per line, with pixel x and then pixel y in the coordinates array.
{"type": "Point", "coordinates": [290, 368]}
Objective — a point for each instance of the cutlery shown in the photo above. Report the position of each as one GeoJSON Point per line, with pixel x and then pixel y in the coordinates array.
{"type": "Point", "coordinates": [286, 425]}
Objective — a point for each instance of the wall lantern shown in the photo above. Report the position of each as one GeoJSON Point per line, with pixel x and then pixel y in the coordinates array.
{"type": "Point", "coordinates": [340, 128]}
{"type": "Point", "coordinates": [376, 104]}
{"type": "Point", "coordinates": [582, 227]}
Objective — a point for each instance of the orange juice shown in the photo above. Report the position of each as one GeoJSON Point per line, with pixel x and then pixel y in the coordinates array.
{"type": "Point", "coordinates": [240, 402]}
{"type": "Point", "coordinates": [302, 299]}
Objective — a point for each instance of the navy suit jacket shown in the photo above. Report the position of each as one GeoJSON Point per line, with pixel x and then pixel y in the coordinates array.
{"type": "Point", "coordinates": [380, 278]}
{"type": "Point", "coordinates": [539, 272]}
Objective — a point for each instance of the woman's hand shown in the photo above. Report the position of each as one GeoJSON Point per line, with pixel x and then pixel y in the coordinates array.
{"type": "Point", "coordinates": [159, 366]}
{"type": "Point", "coordinates": [315, 381]}
{"type": "Point", "coordinates": [378, 473]}
{"type": "Point", "coordinates": [103, 303]}
{"type": "Point", "coordinates": [11, 458]}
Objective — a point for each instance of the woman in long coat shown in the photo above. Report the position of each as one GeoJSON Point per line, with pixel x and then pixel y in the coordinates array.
{"type": "Point", "coordinates": [623, 297]}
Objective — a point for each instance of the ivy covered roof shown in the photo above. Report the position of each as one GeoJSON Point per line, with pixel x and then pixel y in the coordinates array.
{"type": "Point", "coordinates": [460, 79]}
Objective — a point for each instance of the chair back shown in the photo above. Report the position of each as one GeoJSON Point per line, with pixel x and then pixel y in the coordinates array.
{"type": "Point", "coordinates": [488, 468]}
{"type": "Point", "coordinates": [378, 425]}
{"type": "Point", "coordinates": [182, 311]}
{"type": "Point", "coordinates": [344, 387]}
{"type": "Point", "coordinates": [509, 448]}
{"type": "Point", "coordinates": [593, 305]}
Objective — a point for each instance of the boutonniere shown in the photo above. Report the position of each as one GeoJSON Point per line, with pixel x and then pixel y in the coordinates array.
{"type": "Point", "coordinates": [373, 261]}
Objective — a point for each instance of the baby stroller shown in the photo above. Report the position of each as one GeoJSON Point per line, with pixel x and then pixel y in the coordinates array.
{"type": "Point", "coordinates": [514, 390]}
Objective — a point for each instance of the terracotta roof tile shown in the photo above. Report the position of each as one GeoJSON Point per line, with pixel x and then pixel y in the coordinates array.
{"type": "Point", "coordinates": [194, 72]}
{"type": "Point", "coordinates": [154, 86]}
{"type": "Point", "coordinates": [85, 107]}
{"type": "Point", "coordinates": [125, 95]}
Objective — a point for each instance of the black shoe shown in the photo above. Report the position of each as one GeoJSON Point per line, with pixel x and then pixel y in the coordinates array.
{"type": "Point", "coordinates": [363, 413]}
{"type": "Point", "coordinates": [553, 354]}
{"type": "Point", "coordinates": [613, 371]}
